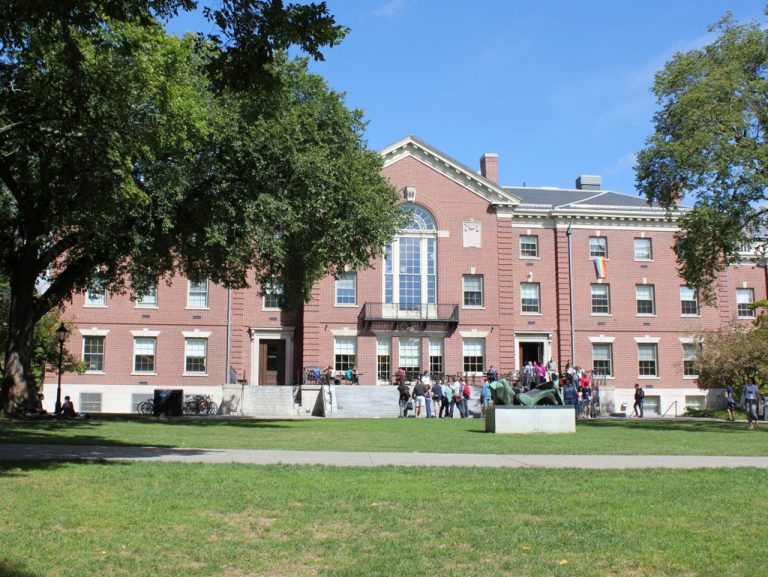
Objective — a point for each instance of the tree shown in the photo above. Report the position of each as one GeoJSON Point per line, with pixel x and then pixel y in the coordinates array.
{"type": "Point", "coordinates": [127, 155]}
{"type": "Point", "coordinates": [710, 143]}
{"type": "Point", "coordinates": [732, 355]}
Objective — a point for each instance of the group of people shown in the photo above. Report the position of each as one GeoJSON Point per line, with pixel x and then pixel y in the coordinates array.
{"type": "Point", "coordinates": [580, 392]}
{"type": "Point", "coordinates": [67, 407]}
{"type": "Point", "coordinates": [439, 399]}
{"type": "Point", "coordinates": [535, 373]}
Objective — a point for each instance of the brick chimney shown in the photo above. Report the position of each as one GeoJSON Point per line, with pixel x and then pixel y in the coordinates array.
{"type": "Point", "coordinates": [489, 166]}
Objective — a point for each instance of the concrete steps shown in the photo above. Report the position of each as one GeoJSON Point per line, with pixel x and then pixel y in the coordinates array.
{"type": "Point", "coordinates": [380, 402]}
{"type": "Point", "coordinates": [269, 402]}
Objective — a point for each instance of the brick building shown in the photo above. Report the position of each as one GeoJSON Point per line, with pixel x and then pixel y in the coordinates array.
{"type": "Point", "coordinates": [483, 275]}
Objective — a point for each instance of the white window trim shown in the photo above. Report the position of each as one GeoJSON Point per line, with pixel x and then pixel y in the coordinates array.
{"type": "Point", "coordinates": [482, 292]}
{"type": "Point", "coordinates": [147, 334]}
{"type": "Point", "coordinates": [207, 297]}
{"type": "Point", "coordinates": [94, 332]}
{"type": "Point", "coordinates": [336, 302]}
{"type": "Point", "coordinates": [195, 335]}
{"type": "Point", "coordinates": [602, 339]}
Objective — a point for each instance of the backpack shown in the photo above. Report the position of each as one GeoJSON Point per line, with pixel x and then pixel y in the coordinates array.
{"type": "Point", "coordinates": [640, 393]}
{"type": "Point", "coordinates": [466, 391]}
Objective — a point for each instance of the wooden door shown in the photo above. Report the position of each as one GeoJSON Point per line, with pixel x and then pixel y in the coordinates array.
{"type": "Point", "coordinates": [272, 362]}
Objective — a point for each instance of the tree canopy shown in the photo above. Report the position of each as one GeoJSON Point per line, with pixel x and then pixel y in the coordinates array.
{"type": "Point", "coordinates": [710, 144]}
{"type": "Point", "coordinates": [127, 154]}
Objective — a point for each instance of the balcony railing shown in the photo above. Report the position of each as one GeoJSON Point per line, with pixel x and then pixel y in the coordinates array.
{"type": "Point", "coordinates": [445, 313]}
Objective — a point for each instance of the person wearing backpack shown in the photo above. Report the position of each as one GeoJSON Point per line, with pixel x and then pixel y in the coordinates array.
{"type": "Point", "coordinates": [465, 393]}
{"type": "Point", "coordinates": [638, 406]}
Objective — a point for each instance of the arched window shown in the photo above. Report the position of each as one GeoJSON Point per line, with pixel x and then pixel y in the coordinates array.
{"type": "Point", "coordinates": [410, 263]}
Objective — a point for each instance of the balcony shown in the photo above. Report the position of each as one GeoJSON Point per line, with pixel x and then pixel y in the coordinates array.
{"type": "Point", "coordinates": [411, 317]}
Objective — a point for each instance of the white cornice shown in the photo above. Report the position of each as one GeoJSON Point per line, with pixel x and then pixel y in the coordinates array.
{"type": "Point", "coordinates": [448, 167]}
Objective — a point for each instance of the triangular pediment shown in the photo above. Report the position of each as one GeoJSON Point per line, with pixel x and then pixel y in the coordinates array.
{"type": "Point", "coordinates": [412, 147]}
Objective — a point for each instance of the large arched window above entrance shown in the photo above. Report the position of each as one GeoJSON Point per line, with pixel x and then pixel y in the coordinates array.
{"type": "Point", "coordinates": [410, 262]}
{"type": "Point", "coordinates": [420, 219]}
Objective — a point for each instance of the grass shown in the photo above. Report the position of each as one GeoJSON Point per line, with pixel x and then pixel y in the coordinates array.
{"type": "Point", "coordinates": [625, 437]}
{"type": "Point", "coordinates": [143, 519]}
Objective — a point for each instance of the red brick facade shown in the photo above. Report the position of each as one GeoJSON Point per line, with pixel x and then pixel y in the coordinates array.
{"type": "Point", "coordinates": [478, 236]}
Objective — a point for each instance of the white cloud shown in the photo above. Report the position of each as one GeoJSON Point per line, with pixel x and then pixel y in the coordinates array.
{"type": "Point", "coordinates": [623, 165]}
{"type": "Point", "coordinates": [391, 8]}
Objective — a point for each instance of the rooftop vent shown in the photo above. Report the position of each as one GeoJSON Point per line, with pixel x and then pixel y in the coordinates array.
{"type": "Point", "coordinates": [588, 182]}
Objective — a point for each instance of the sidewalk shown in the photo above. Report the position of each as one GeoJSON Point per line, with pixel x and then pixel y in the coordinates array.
{"type": "Point", "coordinates": [31, 452]}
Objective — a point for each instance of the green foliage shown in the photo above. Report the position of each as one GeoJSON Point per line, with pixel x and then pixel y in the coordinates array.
{"type": "Point", "coordinates": [710, 143]}
{"type": "Point", "coordinates": [128, 155]}
{"type": "Point", "coordinates": [733, 355]}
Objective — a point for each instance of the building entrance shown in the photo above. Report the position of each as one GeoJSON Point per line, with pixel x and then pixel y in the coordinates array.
{"type": "Point", "coordinates": [530, 351]}
{"type": "Point", "coordinates": [272, 362]}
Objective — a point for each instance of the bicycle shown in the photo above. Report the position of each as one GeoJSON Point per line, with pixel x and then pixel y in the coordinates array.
{"type": "Point", "coordinates": [200, 405]}
{"type": "Point", "coordinates": [146, 407]}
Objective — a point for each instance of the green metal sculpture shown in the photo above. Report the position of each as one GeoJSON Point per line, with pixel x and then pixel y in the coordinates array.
{"type": "Point", "coordinates": [543, 394]}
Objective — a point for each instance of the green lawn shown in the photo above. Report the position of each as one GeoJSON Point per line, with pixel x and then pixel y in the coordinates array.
{"type": "Point", "coordinates": [140, 519]}
{"type": "Point", "coordinates": [627, 437]}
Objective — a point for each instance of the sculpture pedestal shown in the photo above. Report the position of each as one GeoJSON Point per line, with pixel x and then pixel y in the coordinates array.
{"type": "Point", "coordinates": [519, 419]}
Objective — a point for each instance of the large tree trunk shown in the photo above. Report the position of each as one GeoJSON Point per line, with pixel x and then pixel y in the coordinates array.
{"type": "Point", "coordinates": [19, 384]}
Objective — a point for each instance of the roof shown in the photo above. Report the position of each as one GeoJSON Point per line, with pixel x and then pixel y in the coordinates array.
{"type": "Point", "coordinates": [575, 198]}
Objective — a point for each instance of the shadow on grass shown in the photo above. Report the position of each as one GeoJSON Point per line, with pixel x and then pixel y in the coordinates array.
{"type": "Point", "coordinates": [7, 571]}
{"type": "Point", "coordinates": [686, 426]}
{"type": "Point", "coordinates": [65, 431]}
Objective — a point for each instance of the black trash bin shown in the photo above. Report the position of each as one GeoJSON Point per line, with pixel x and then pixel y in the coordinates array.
{"type": "Point", "coordinates": [168, 402]}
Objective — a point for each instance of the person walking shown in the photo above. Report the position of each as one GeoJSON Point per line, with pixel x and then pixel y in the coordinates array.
{"type": "Point", "coordinates": [405, 396]}
{"type": "Point", "coordinates": [730, 402]}
{"type": "Point", "coordinates": [485, 397]}
{"type": "Point", "coordinates": [639, 397]}
{"type": "Point", "coordinates": [751, 395]}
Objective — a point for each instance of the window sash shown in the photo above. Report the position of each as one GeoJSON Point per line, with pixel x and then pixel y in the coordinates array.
{"type": "Point", "coordinates": [645, 299]}
{"type": "Point", "coordinates": [346, 288]}
{"type": "Point", "coordinates": [144, 351]}
{"type": "Point", "coordinates": [744, 298]}
{"type": "Point", "coordinates": [197, 294]}
{"type": "Point", "coordinates": [93, 353]}
{"type": "Point", "coordinates": [529, 297]}
{"type": "Point", "coordinates": [473, 290]}
{"type": "Point", "coordinates": [689, 304]}
{"type": "Point", "coordinates": [601, 301]}
{"type": "Point", "coordinates": [598, 246]}
{"type": "Point", "coordinates": [602, 356]}
{"type": "Point", "coordinates": [529, 246]}
{"type": "Point", "coordinates": [689, 360]}
{"type": "Point", "coordinates": [195, 355]}
{"type": "Point", "coordinates": [647, 357]}
{"type": "Point", "coordinates": [643, 249]}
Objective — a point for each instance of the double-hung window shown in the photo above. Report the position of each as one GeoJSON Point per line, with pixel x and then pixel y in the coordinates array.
{"type": "Point", "coordinates": [96, 295]}
{"type": "Point", "coordinates": [529, 297]}
{"type": "Point", "coordinates": [197, 294]}
{"type": "Point", "coordinates": [474, 355]}
{"type": "Point", "coordinates": [646, 302]}
{"type": "Point", "coordinates": [195, 355]}
{"type": "Point", "coordinates": [598, 246]}
{"type": "Point", "coordinates": [93, 353]}
{"type": "Point", "coordinates": [689, 304]}
{"type": "Point", "coordinates": [744, 298]}
{"type": "Point", "coordinates": [690, 351]}
{"type": "Point", "coordinates": [473, 290]}
{"type": "Point", "coordinates": [345, 352]}
{"type": "Point", "coordinates": [529, 246]}
{"type": "Point", "coordinates": [602, 359]}
{"type": "Point", "coordinates": [647, 357]}
{"type": "Point", "coordinates": [601, 299]}
{"type": "Point", "coordinates": [643, 249]}
{"type": "Point", "coordinates": [346, 288]}
{"type": "Point", "coordinates": [144, 349]}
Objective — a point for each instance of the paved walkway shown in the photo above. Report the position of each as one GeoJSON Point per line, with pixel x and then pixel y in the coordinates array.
{"type": "Point", "coordinates": [31, 452]}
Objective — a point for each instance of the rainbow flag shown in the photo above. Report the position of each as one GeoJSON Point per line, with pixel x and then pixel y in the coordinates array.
{"type": "Point", "coordinates": [600, 269]}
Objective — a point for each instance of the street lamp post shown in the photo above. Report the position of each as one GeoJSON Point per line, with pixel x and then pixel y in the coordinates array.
{"type": "Point", "coordinates": [61, 336]}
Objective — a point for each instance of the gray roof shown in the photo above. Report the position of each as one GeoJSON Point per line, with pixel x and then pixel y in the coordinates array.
{"type": "Point", "coordinates": [561, 197]}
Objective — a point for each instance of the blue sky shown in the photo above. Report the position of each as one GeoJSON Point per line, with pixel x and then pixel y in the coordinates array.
{"type": "Point", "coordinates": [556, 88]}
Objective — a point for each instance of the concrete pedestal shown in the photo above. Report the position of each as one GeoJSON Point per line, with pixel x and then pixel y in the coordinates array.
{"type": "Point", "coordinates": [517, 419]}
